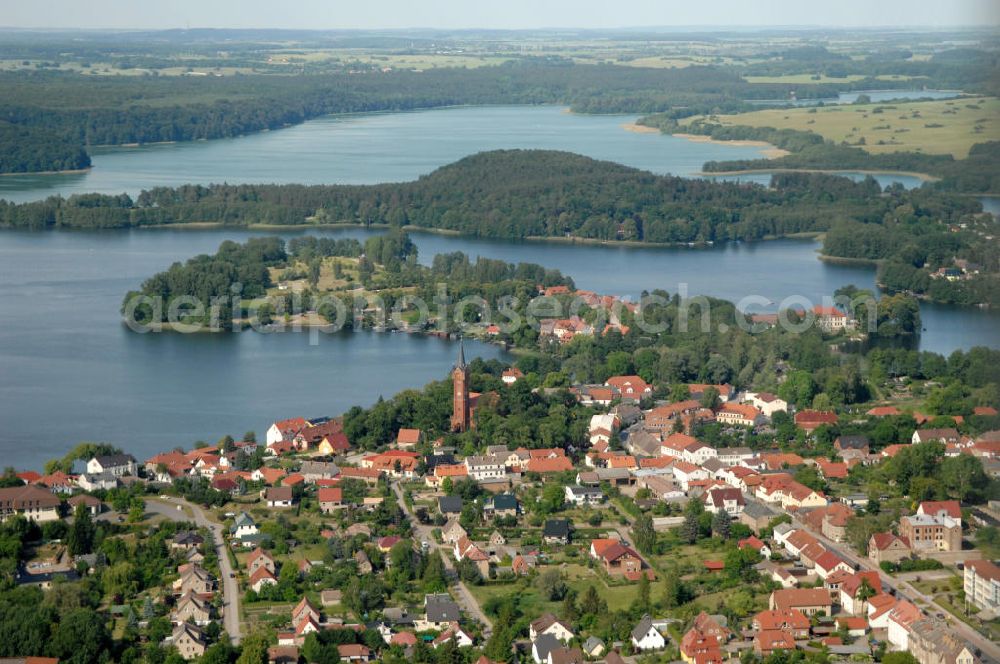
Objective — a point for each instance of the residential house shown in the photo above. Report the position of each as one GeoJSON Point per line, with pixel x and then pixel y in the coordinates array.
{"type": "Point", "coordinates": [501, 505]}
{"type": "Point", "coordinates": [809, 601]}
{"type": "Point", "coordinates": [646, 637]}
{"type": "Point", "coordinates": [733, 456]}
{"type": "Point", "coordinates": [766, 642]}
{"type": "Point", "coordinates": [766, 403]}
{"type": "Point", "coordinates": [810, 420]}
{"type": "Point", "coordinates": [484, 468]}
{"type": "Point", "coordinates": [193, 578]}
{"type": "Point", "coordinates": [756, 544]}
{"type": "Point", "coordinates": [900, 622]}
{"type": "Point", "coordinates": [730, 501]}
{"type": "Point", "coordinates": [543, 646]}
{"type": "Point", "coordinates": [278, 496]}
{"type": "Point", "coordinates": [191, 607]}
{"type": "Point", "coordinates": [852, 443]}
{"type": "Point", "coordinates": [511, 375]}
{"type": "Point", "coordinates": [523, 563]}
{"type": "Point", "coordinates": [831, 319]}
{"type": "Point", "coordinates": [452, 531]}
{"type": "Point", "coordinates": [548, 624]}
{"type": "Point", "coordinates": [593, 647]}
{"type": "Point", "coordinates": [619, 560]}
{"type": "Point", "coordinates": [888, 547]}
{"type": "Point", "coordinates": [700, 648]}
{"type": "Point", "coordinates": [354, 652]}
{"type": "Point", "coordinates": [828, 563]}
{"type": "Point", "coordinates": [792, 621]}
{"type": "Point", "coordinates": [407, 439]}
{"type": "Point", "coordinates": [852, 597]}
{"type": "Point", "coordinates": [466, 549]}
{"type": "Point", "coordinates": [312, 471]}
{"type": "Point", "coordinates": [92, 504]}
{"type": "Point", "coordinates": [439, 612]}
{"type": "Point", "coordinates": [556, 531]}
{"type": "Point", "coordinates": [933, 641]}
{"type": "Point", "coordinates": [118, 465]}
{"type": "Point", "coordinates": [830, 520]}
{"type": "Point", "coordinates": [935, 435]}
{"type": "Point", "coordinates": [245, 530]}
{"type": "Point", "coordinates": [259, 558]}
{"type": "Point", "coordinates": [285, 430]}
{"type": "Point", "coordinates": [756, 515]}
{"type": "Point", "coordinates": [454, 633]}
{"type": "Point", "coordinates": [97, 482]}
{"type": "Point", "coordinates": [189, 640]}
{"type": "Point", "coordinates": [630, 388]}
{"type": "Point", "coordinates": [450, 505]}
{"type": "Point", "coordinates": [262, 577]}
{"type": "Point", "coordinates": [330, 499]}
{"type": "Point", "coordinates": [583, 495]}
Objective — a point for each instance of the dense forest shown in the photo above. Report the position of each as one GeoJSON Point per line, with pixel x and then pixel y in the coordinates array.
{"type": "Point", "coordinates": [30, 150]}
{"type": "Point", "coordinates": [517, 194]}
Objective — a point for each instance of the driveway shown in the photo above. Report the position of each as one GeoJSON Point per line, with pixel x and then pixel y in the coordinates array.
{"type": "Point", "coordinates": [230, 586]}
{"type": "Point", "coordinates": [424, 533]}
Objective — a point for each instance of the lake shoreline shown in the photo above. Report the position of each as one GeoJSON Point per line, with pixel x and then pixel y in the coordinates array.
{"type": "Point", "coordinates": [71, 171]}
{"type": "Point", "coordinates": [923, 177]}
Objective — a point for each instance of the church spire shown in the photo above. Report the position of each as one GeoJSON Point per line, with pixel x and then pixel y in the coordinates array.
{"type": "Point", "coordinates": [461, 353]}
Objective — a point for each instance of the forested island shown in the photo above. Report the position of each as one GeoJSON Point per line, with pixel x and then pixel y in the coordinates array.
{"type": "Point", "coordinates": [523, 194]}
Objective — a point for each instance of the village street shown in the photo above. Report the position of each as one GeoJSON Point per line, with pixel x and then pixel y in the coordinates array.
{"type": "Point", "coordinates": [424, 534]}
{"type": "Point", "coordinates": [168, 507]}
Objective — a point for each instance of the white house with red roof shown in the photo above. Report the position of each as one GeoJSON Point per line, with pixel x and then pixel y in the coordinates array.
{"type": "Point", "coordinates": [633, 388]}
{"type": "Point", "coordinates": [285, 430]}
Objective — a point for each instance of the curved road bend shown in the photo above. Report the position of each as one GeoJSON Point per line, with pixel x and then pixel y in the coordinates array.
{"type": "Point", "coordinates": [230, 587]}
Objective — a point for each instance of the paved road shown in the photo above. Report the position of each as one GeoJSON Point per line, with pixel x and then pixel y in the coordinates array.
{"type": "Point", "coordinates": [424, 534]}
{"type": "Point", "coordinates": [230, 587]}
{"type": "Point", "coordinates": [906, 591]}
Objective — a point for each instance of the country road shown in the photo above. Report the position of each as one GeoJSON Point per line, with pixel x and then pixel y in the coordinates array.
{"type": "Point", "coordinates": [424, 534]}
{"type": "Point", "coordinates": [990, 650]}
{"type": "Point", "coordinates": [230, 587]}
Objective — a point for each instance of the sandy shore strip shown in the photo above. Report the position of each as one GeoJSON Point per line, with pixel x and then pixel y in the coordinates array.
{"type": "Point", "coordinates": [639, 129]}
{"type": "Point", "coordinates": [767, 150]}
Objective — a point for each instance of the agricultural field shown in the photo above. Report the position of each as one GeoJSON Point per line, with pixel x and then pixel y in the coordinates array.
{"type": "Point", "coordinates": [934, 127]}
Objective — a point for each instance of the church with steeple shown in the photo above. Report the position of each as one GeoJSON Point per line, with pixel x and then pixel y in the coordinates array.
{"type": "Point", "coordinates": [461, 415]}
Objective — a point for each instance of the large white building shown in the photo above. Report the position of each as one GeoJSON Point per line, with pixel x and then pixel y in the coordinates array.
{"type": "Point", "coordinates": [982, 585]}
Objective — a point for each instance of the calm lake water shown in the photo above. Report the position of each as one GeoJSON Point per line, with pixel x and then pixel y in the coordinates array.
{"type": "Point", "coordinates": [381, 147]}
{"type": "Point", "coordinates": [70, 372]}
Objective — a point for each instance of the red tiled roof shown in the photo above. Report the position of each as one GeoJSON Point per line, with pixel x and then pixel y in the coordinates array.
{"type": "Point", "coordinates": [556, 465]}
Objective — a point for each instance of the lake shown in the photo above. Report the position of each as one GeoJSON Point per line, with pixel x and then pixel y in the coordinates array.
{"type": "Point", "coordinates": [69, 371]}
{"type": "Point", "coordinates": [380, 147]}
